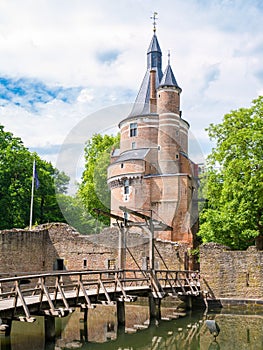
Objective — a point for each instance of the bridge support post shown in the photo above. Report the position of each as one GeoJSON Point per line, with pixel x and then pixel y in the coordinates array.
{"type": "Point", "coordinates": [84, 327]}
{"type": "Point", "coordinates": [5, 327]}
{"type": "Point", "coordinates": [122, 247]}
{"type": "Point", "coordinates": [50, 331]}
{"type": "Point", "coordinates": [154, 308]}
{"type": "Point", "coordinates": [189, 302]}
{"type": "Point", "coordinates": [120, 314]}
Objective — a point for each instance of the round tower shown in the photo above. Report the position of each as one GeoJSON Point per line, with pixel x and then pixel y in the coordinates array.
{"type": "Point", "coordinates": [168, 108]}
{"type": "Point", "coordinates": [140, 128]}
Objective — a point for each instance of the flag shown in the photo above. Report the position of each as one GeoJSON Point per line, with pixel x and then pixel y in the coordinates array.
{"type": "Point", "coordinates": [36, 176]}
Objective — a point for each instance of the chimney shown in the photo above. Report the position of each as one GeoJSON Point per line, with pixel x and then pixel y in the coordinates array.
{"type": "Point", "coordinates": [153, 100]}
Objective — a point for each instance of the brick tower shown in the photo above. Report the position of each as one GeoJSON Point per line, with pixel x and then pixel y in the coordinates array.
{"type": "Point", "coordinates": [151, 172]}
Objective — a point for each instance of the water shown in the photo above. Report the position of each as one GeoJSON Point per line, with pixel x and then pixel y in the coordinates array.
{"type": "Point", "coordinates": [238, 330]}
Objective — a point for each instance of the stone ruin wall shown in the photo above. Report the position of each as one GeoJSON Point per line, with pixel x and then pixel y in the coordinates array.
{"type": "Point", "coordinates": [38, 250]}
{"type": "Point", "coordinates": [231, 274]}
{"type": "Point", "coordinates": [225, 273]}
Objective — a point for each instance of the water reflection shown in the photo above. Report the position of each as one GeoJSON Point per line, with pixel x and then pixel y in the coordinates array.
{"type": "Point", "coordinates": [214, 346]}
{"type": "Point", "coordinates": [97, 329]}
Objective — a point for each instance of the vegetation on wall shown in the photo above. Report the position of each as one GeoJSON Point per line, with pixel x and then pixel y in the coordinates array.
{"type": "Point", "coordinates": [234, 180]}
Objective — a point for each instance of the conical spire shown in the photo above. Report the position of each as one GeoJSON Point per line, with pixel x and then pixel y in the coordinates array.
{"type": "Point", "coordinates": [154, 55]}
{"type": "Point", "coordinates": [168, 78]}
{"type": "Point", "coordinates": [154, 45]}
{"type": "Point", "coordinates": [154, 61]}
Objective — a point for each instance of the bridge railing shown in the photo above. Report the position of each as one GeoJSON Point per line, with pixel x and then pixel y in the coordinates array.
{"type": "Point", "coordinates": [50, 286]}
{"type": "Point", "coordinates": [70, 280]}
{"type": "Point", "coordinates": [187, 281]}
{"type": "Point", "coordinates": [96, 285]}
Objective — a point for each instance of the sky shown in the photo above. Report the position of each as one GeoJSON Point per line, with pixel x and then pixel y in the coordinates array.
{"type": "Point", "coordinates": [65, 65]}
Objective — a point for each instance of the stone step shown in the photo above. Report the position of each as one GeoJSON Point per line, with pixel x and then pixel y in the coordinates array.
{"type": "Point", "coordinates": [179, 314]}
{"type": "Point", "coordinates": [130, 330]}
{"type": "Point", "coordinates": [140, 326]}
{"type": "Point", "coordinates": [165, 318]}
{"type": "Point", "coordinates": [173, 317]}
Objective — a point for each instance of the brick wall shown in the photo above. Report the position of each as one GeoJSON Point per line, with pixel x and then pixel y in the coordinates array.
{"type": "Point", "coordinates": [168, 100]}
{"type": "Point", "coordinates": [40, 250]}
{"type": "Point", "coordinates": [128, 167]}
{"type": "Point", "coordinates": [147, 133]}
{"type": "Point", "coordinates": [231, 274]}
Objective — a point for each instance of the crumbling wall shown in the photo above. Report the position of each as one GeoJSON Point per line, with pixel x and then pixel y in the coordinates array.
{"type": "Point", "coordinates": [58, 246]}
{"type": "Point", "coordinates": [231, 274]}
{"type": "Point", "coordinates": [25, 251]}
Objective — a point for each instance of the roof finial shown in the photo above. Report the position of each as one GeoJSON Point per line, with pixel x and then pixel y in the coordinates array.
{"type": "Point", "coordinates": [154, 17]}
{"type": "Point", "coordinates": [169, 55]}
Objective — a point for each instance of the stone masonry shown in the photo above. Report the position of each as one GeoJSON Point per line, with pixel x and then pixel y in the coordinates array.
{"type": "Point", "coordinates": [231, 274]}
{"type": "Point", "coordinates": [58, 246]}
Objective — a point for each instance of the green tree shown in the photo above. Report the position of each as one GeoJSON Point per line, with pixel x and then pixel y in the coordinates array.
{"type": "Point", "coordinates": [61, 181]}
{"type": "Point", "coordinates": [51, 182]}
{"type": "Point", "coordinates": [76, 214]}
{"type": "Point", "coordinates": [16, 165]}
{"type": "Point", "coordinates": [93, 190]}
{"type": "Point", "coordinates": [234, 182]}
{"type": "Point", "coordinates": [15, 184]}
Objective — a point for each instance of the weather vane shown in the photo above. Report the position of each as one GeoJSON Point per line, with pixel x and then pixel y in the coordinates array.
{"type": "Point", "coordinates": [154, 17]}
{"type": "Point", "coordinates": [169, 55]}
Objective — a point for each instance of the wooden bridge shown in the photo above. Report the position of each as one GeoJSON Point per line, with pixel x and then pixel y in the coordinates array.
{"type": "Point", "coordinates": [56, 294]}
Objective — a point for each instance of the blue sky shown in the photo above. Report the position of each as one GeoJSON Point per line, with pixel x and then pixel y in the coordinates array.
{"type": "Point", "coordinates": [62, 60]}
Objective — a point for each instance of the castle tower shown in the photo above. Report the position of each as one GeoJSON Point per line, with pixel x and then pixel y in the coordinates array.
{"type": "Point", "coordinates": [151, 170]}
{"type": "Point", "coordinates": [168, 109]}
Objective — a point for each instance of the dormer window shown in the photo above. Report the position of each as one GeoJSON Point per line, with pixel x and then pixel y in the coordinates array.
{"type": "Point", "coordinates": [133, 129]}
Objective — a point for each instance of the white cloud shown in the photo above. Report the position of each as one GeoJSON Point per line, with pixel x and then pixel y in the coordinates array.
{"type": "Point", "coordinates": [86, 95]}
{"type": "Point", "coordinates": [97, 50]}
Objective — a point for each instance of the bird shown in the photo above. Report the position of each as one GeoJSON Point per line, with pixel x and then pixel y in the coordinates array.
{"type": "Point", "coordinates": [213, 327]}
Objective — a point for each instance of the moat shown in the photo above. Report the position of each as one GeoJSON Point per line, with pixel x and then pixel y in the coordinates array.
{"type": "Point", "coordinates": [239, 329]}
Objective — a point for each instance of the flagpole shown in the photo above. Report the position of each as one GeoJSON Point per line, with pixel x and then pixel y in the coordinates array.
{"type": "Point", "coordinates": [32, 195]}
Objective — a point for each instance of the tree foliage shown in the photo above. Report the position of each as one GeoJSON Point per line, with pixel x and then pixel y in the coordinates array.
{"type": "Point", "coordinates": [76, 214]}
{"type": "Point", "coordinates": [46, 208]}
{"type": "Point", "coordinates": [94, 191]}
{"type": "Point", "coordinates": [234, 183]}
{"type": "Point", "coordinates": [16, 165]}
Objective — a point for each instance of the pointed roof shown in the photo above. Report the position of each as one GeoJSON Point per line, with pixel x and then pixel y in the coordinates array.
{"type": "Point", "coordinates": [154, 61]}
{"type": "Point", "coordinates": [141, 104]}
{"type": "Point", "coordinates": [154, 45]}
{"type": "Point", "coordinates": [168, 78]}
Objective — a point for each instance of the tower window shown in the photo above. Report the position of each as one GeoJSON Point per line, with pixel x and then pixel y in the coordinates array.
{"type": "Point", "coordinates": [133, 145]}
{"type": "Point", "coordinates": [133, 129]}
{"type": "Point", "coordinates": [126, 187]}
{"type": "Point", "coordinates": [122, 165]}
